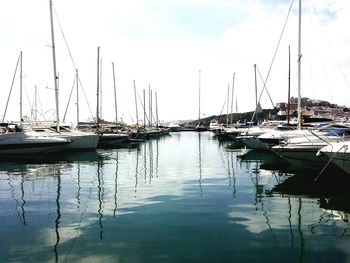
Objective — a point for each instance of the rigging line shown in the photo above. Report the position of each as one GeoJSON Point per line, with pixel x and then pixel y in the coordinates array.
{"type": "Point", "coordinates": [278, 44]}
{"type": "Point", "coordinates": [70, 96]}
{"type": "Point", "coordinates": [265, 88]}
{"type": "Point", "coordinates": [28, 99]}
{"type": "Point", "coordinates": [143, 106]}
{"type": "Point", "coordinates": [274, 56]}
{"type": "Point", "coordinates": [87, 102]}
{"type": "Point", "coordinates": [64, 38]}
{"type": "Point", "coordinates": [13, 80]}
{"type": "Point", "coordinates": [254, 113]}
{"type": "Point", "coordinates": [223, 106]}
{"type": "Point", "coordinates": [330, 160]}
{"type": "Point", "coordinates": [71, 57]}
{"type": "Point", "coordinates": [41, 108]}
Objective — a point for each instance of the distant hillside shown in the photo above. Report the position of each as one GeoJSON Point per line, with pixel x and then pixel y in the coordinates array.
{"type": "Point", "coordinates": [323, 109]}
{"type": "Point", "coordinates": [237, 117]}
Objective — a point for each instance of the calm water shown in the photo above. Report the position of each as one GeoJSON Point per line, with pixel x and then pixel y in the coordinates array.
{"type": "Point", "coordinates": [183, 198]}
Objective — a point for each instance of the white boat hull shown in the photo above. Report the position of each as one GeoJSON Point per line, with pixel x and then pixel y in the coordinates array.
{"type": "Point", "coordinates": [20, 143]}
{"type": "Point", "coordinates": [339, 154]}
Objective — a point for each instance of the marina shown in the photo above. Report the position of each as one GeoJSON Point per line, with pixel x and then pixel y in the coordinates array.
{"type": "Point", "coordinates": [184, 197]}
{"type": "Point", "coordinates": [141, 179]}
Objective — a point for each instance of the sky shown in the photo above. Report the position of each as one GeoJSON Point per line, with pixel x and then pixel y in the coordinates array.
{"type": "Point", "coordinates": [162, 45]}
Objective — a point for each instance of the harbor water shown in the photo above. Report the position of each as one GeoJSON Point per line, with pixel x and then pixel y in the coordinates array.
{"type": "Point", "coordinates": [182, 198]}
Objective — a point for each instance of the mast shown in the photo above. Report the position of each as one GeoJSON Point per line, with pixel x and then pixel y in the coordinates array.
{"type": "Point", "coordinates": [199, 100]}
{"type": "Point", "coordinates": [228, 102]}
{"type": "Point", "coordinates": [98, 86]}
{"type": "Point", "coordinates": [54, 69]}
{"type": "Point", "coordinates": [100, 95]}
{"type": "Point", "coordinates": [137, 115]}
{"type": "Point", "coordinates": [288, 101]}
{"type": "Point", "coordinates": [149, 106]}
{"type": "Point", "coordinates": [20, 91]}
{"type": "Point", "coordinates": [233, 86]}
{"type": "Point", "coordinates": [144, 108]}
{"type": "Point", "coordinates": [115, 97]}
{"type": "Point", "coordinates": [35, 105]}
{"type": "Point", "coordinates": [77, 83]}
{"type": "Point", "coordinates": [299, 68]}
{"type": "Point", "coordinates": [155, 94]}
{"type": "Point", "coordinates": [256, 88]}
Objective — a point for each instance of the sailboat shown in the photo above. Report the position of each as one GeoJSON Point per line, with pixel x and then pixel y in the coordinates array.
{"type": "Point", "coordinates": [302, 149]}
{"type": "Point", "coordinates": [15, 141]}
{"type": "Point", "coordinates": [276, 137]}
{"type": "Point", "coordinates": [108, 135]}
{"type": "Point", "coordinates": [80, 140]}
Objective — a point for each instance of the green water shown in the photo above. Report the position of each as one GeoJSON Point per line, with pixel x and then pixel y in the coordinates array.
{"type": "Point", "coordinates": [182, 198]}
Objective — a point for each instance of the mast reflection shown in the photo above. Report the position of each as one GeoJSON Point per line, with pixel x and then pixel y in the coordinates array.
{"type": "Point", "coordinates": [116, 184]}
{"type": "Point", "coordinates": [100, 188]}
{"type": "Point", "coordinates": [58, 217]}
{"type": "Point", "coordinates": [200, 162]}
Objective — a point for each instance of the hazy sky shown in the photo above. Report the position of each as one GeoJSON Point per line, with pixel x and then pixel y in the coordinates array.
{"type": "Point", "coordinates": [164, 44]}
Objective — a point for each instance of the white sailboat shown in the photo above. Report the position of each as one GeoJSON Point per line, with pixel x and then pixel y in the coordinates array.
{"type": "Point", "coordinates": [15, 141]}
{"type": "Point", "coordinates": [276, 137]}
{"type": "Point", "coordinates": [79, 140]}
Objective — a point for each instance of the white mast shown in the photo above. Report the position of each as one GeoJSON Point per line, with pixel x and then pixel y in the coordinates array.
{"type": "Point", "coordinates": [35, 105]}
{"type": "Point", "coordinates": [98, 86]}
{"type": "Point", "coordinates": [137, 115]}
{"type": "Point", "coordinates": [20, 101]}
{"type": "Point", "coordinates": [299, 68]}
{"type": "Point", "coordinates": [155, 94]}
{"type": "Point", "coordinates": [228, 103]}
{"type": "Point", "coordinates": [77, 83]}
{"type": "Point", "coordinates": [54, 69]}
{"type": "Point", "coordinates": [199, 100]}
{"type": "Point", "coordinates": [115, 97]}
{"type": "Point", "coordinates": [233, 86]}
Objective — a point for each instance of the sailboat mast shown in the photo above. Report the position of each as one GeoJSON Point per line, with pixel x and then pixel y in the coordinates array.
{"type": "Point", "coordinates": [20, 84]}
{"type": "Point", "coordinates": [288, 101]}
{"type": "Point", "coordinates": [144, 108]}
{"type": "Point", "coordinates": [155, 94]}
{"type": "Point", "coordinates": [100, 95]}
{"type": "Point", "coordinates": [228, 103]}
{"type": "Point", "coordinates": [115, 97]}
{"type": "Point", "coordinates": [54, 69]}
{"type": "Point", "coordinates": [233, 86]}
{"type": "Point", "coordinates": [35, 104]}
{"type": "Point", "coordinates": [98, 86]}
{"type": "Point", "coordinates": [299, 68]}
{"type": "Point", "coordinates": [256, 88]}
{"type": "Point", "coordinates": [77, 87]}
{"type": "Point", "coordinates": [199, 100]}
{"type": "Point", "coordinates": [137, 115]}
{"type": "Point", "coordinates": [149, 106]}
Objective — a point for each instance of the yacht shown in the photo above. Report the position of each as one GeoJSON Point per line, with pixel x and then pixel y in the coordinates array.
{"type": "Point", "coordinates": [338, 153]}
{"type": "Point", "coordinates": [15, 141]}
{"type": "Point", "coordinates": [302, 151]}
{"type": "Point", "coordinates": [80, 140]}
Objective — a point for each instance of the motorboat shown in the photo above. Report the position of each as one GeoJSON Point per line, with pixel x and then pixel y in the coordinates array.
{"type": "Point", "coordinates": [338, 153]}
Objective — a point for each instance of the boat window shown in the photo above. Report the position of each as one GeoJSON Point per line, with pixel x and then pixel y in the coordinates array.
{"type": "Point", "coordinates": [338, 132]}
